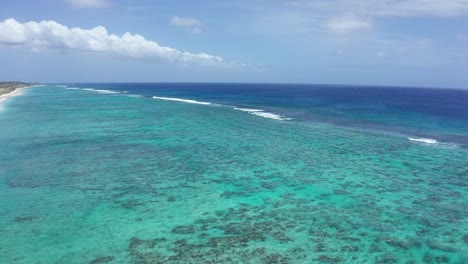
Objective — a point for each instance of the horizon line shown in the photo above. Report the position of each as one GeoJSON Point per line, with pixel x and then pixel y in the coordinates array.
{"type": "Point", "coordinates": [268, 83]}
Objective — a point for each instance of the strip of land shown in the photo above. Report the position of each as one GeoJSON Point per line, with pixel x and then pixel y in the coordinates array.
{"type": "Point", "coordinates": [8, 89]}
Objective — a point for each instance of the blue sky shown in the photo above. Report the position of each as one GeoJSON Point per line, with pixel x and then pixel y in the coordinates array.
{"type": "Point", "coordinates": [382, 42]}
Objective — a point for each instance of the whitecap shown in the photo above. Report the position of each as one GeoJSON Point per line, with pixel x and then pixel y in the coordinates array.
{"type": "Point", "coordinates": [96, 90]}
{"type": "Point", "coordinates": [248, 110]}
{"type": "Point", "coordinates": [106, 91]}
{"type": "Point", "coordinates": [424, 140]}
{"type": "Point", "coordinates": [181, 100]}
{"type": "Point", "coordinates": [262, 113]}
{"type": "Point", "coordinates": [253, 111]}
{"type": "Point", "coordinates": [270, 115]}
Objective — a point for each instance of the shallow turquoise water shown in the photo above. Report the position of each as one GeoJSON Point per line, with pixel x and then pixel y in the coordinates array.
{"type": "Point", "coordinates": [103, 178]}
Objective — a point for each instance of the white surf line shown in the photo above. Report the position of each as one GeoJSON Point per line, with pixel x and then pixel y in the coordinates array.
{"type": "Point", "coordinates": [92, 90]}
{"type": "Point", "coordinates": [248, 110]}
{"type": "Point", "coordinates": [424, 140]}
{"type": "Point", "coordinates": [262, 113]}
{"type": "Point", "coordinates": [271, 116]}
{"type": "Point", "coordinates": [257, 112]}
{"type": "Point", "coordinates": [105, 91]}
{"type": "Point", "coordinates": [433, 142]}
{"type": "Point", "coordinates": [181, 100]}
{"type": "Point", "coordinates": [16, 92]}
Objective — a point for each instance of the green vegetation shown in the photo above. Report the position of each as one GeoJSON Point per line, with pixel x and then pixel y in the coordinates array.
{"type": "Point", "coordinates": [8, 87]}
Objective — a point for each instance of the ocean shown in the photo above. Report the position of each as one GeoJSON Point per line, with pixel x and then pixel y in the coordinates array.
{"type": "Point", "coordinates": [234, 173]}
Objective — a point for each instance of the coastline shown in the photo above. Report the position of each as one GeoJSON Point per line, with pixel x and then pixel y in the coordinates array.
{"type": "Point", "coordinates": [15, 92]}
{"type": "Point", "coordinates": [274, 186]}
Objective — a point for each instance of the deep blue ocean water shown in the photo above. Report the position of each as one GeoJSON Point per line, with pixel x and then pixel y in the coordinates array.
{"type": "Point", "coordinates": [438, 113]}
{"type": "Point", "coordinates": [234, 173]}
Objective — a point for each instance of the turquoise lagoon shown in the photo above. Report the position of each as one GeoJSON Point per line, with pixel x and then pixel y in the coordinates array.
{"type": "Point", "coordinates": [113, 176]}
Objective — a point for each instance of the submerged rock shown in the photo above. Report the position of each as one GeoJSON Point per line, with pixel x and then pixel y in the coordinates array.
{"type": "Point", "coordinates": [102, 260]}
{"type": "Point", "coordinates": [396, 242]}
{"type": "Point", "coordinates": [145, 251]}
{"type": "Point", "coordinates": [442, 259]}
{"type": "Point", "coordinates": [329, 259]}
{"type": "Point", "coordinates": [21, 219]}
{"type": "Point", "coordinates": [349, 249]}
{"type": "Point", "coordinates": [433, 244]}
{"type": "Point", "coordinates": [184, 230]}
{"type": "Point", "coordinates": [276, 259]}
{"type": "Point", "coordinates": [386, 259]}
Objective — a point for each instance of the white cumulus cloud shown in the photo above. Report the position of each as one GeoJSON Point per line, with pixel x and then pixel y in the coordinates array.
{"type": "Point", "coordinates": [52, 35]}
{"type": "Point", "coordinates": [90, 3]}
{"type": "Point", "coordinates": [191, 24]}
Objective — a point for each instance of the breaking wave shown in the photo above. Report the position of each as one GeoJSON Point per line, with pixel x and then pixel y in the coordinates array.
{"type": "Point", "coordinates": [424, 140]}
{"type": "Point", "coordinates": [257, 112]}
{"type": "Point", "coordinates": [91, 90]}
{"type": "Point", "coordinates": [181, 100]}
{"type": "Point", "coordinates": [262, 113]}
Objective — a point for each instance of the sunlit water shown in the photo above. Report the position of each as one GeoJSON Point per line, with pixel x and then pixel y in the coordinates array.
{"type": "Point", "coordinates": [117, 176]}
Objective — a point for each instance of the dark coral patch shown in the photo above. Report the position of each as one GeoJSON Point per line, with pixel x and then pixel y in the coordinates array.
{"type": "Point", "coordinates": [22, 219]}
{"type": "Point", "coordinates": [184, 230]}
{"type": "Point", "coordinates": [102, 260]}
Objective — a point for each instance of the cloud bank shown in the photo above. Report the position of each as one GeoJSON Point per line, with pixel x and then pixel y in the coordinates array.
{"type": "Point", "coordinates": [52, 35]}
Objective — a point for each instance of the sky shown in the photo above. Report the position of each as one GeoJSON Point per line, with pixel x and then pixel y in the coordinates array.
{"type": "Point", "coordinates": [420, 43]}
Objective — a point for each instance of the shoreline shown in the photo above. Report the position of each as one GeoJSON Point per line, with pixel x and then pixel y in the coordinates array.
{"type": "Point", "coordinates": [16, 92]}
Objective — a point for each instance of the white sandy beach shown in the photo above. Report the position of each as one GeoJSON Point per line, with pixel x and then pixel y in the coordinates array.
{"type": "Point", "coordinates": [16, 92]}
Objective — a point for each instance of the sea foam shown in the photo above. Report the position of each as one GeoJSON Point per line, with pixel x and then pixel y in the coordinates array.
{"type": "Point", "coordinates": [262, 113]}
{"type": "Point", "coordinates": [253, 111]}
{"type": "Point", "coordinates": [248, 110]}
{"type": "Point", "coordinates": [93, 90]}
{"type": "Point", "coordinates": [424, 140]}
{"type": "Point", "coordinates": [106, 92]}
{"type": "Point", "coordinates": [181, 100]}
